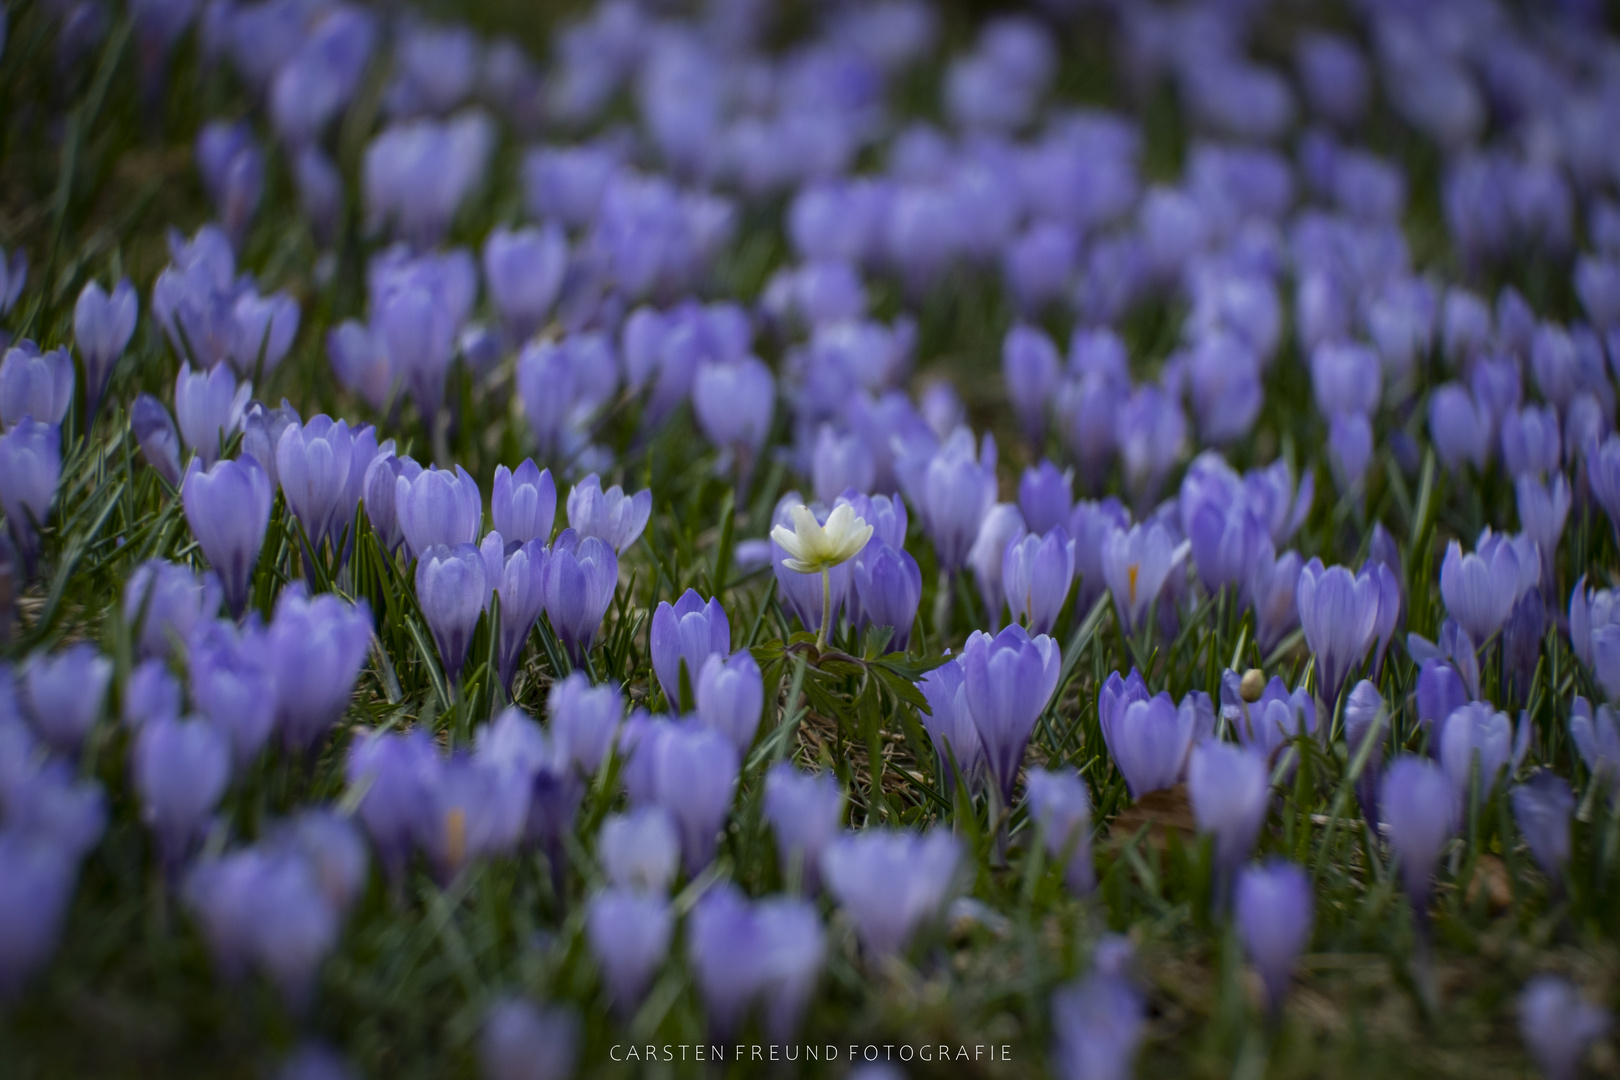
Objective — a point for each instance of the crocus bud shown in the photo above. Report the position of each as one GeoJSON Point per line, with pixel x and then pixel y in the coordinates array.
{"type": "Point", "coordinates": [228, 509]}
{"type": "Point", "coordinates": [1230, 791]}
{"type": "Point", "coordinates": [479, 810]}
{"type": "Point", "coordinates": [639, 850]}
{"type": "Point", "coordinates": [1478, 593]}
{"type": "Point", "coordinates": [950, 724]}
{"type": "Point", "coordinates": [1008, 680]}
{"type": "Point", "coordinates": [584, 719]}
{"type": "Point", "coordinates": [805, 811]}
{"type": "Point", "coordinates": [888, 585]}
{"type": "Point", "coordinates": [580, 579]}
{"type": "Point", "coordinates": [30, 466]}
{"type": "Point", "coordinates": [1099, 1023]}
{"type": "Point", "coordinates": [1001, 526]}
{"type": "Point", "coordinates": [36, 886]}
{"type": "Point", "coordinates": [1046, 497]}
{"type": "Point", "coordinates": [208, 406]}
{"type": "Point", "coordinates": [694, 770]}
{"type": "Point", "coordinates": [1030, 366]}
{"type": "Point", "coordinates": [437, 506]}
{"type": "Point", "coordinates": [62, 694]}
{"type": "Point", "coordinates": [313, 463]}
{"type": "Point", "coordinates": [1542, 806]}
{"type": "Point", "coordinates": [523, 1041]}
{"type": "Point", "coordinates": [1476, 732]}
{"type": "Point", "coordinates": [35, 385]}
{"type": "Point", "coordinates": [1417, 803]}
{"type": "Point", "coordinates": [1275, 909]}
{"type": "Point", "coordinates": [730, 695]}
{"type": "Point", "coordinates": [629, 934]}
{"type": "Point", "coordinates": [320, 192]}
{"type": "Point", "coordinates": [740, 951]}
{"type": "Point", "coordinates": [1597, 737]}
{"type": "Point", "coordinates": [380, 490]}
{"type": "Point", "coordinates": [102, 327]}
{"type": "Point", "coordinates": [687, 632]}
{"type": "Point", "coordinates": [317, 647]}
{"type": "Point", "coordinates": [451, 588]}
{"type": "Point", "coordinates": [155, 432]}
{"type": "Point", "coordinates": [610, 515]}
{"type": "Point", "coordinates": [163, 601]}
{"type": "Point", "coordinates": [1339, 613]}
{"type": "Point", "coordinates": [1060, 806]}
{"type": "Point", "coordinates": [1149, 740]}
{"type": "Point", "coordinates": [1558, 1025]}
{"type": "Point", "coordinates": [150, 691]}
{"type": "Point", "coordinates": [840, 463]}
{"type": "Point", "coordinates": [232, 686]}
{"type": "Point", "coordinates": [180, 769]}
{"type": "Point", "coordinates": [952, 491]}
{"type": "Point", "coordinates": [890, 883]}
{"type": "Point", "coordinates": [1037, 573]}
{"type": "Point", "coordinates": [393, 768]}
{"type": "Point", "coordinates": [521, 586]}
{"type": "Point", "coordinates": [523, 271]}
{"type": "Point", "coordinates": [523, 504]}
{"type": "Point", "coordinates": [1136, 564]}
{"type": "Point", "coordinates": [262, 429]}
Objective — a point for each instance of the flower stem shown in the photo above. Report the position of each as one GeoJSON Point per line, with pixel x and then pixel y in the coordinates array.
{"type": "Point", "coordinates": [826, 610]}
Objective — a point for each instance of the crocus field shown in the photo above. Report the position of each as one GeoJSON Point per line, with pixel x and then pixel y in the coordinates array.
{"type": "Point", "coordinates": [873, 538]}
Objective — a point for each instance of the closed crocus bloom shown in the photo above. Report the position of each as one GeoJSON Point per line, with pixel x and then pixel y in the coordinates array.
{"type": "Point", "coordinates": [1543, 510]}
{"type": "Point", "coordinates": [1099, 1021]}
{"type": "Point", "coordinates": [522, 588]}
{"type": "Point", "coordinates": [418, 330]}
{"type": "Point", "coordinates": [1275, 910]}
{"type": "Point", "coordinates": [151, 691]}
{"type": "Point", "coordinates": [180, 769]}
{"type": "Point", "coordinates": [1001, 526]}
{"type": "Point", "coordinates": [840, 463]}
{"type": "Point", "coordinates": [1350, 449]}
{"type": "Point", "coordinates": [1136, 564]}
{"type": "Point", "coordinates": [393, 770]}
{"type": "Point", "coordinates": [228, 509]}
{"type": "Point", "coordinates": [805, 811]}
{"type": "Point", "coordinates": [35, 385]}
{"type": "Point", "coordinates": [952, 491]}
{"type": "Point", "coordinates": [102, 327]}
{"type": "Point", "coordinates": [687, 632]}
{"type": "Point", "coordinates": [62, 694]}
{"type": "Point", "coordinates": [1152, 434]}
{"type": "Point", "coordinates": [208, 407]}
{"type": "Point", "coordinates": [1272, 586]}
{"type": "Point", "coordinates": [1230, 791]}
{"type": "Point", "coordinates": [733, 402]}
{"type": "Point", "coordinates": [1346, 378]}
{"type": "Point", "coordinates": [1459, 428]}
{"type": "Point", "coordinates": [523, 270]}
{"type": "Point", "coordinates": [1530, 441]}
{"type": "Point", "coordinates": [1008, 679]}
{"type": "Point", "coordinates": [1597, 736]}
{"type": "Point", "coordinates": [694, 770]}
{"type": "Point", "coordinates": [1060, 805]}
{"type": "Point", "coordinates": [163, 601]}
{"type": "Point", "coordinates": [1030, 365]}
{"type": "Point", "coordinates": [479, 810]}
{"type": "Point", "coordinates": [888, 584]}
{"type": "Point", "coordinates": [361, 362]}
{"type": "Point", "coordinates": [1149, 739]}
{"type": "Point", "coordinates": [629, 934]}
{"type": "Point", "coordinates": [1417, 804]}
{"type": "Point", "coordinates": [451, 586]}
{"type": "Point", "coordinates": [1037, 573]}
{"type": "Point", "coordinates": [30, 466]}
{"type": "Point", "coordinates": [1559, 1025]}
{"type": "Point", "coordinates": [1479, 588]}
{"type": "Point", "coordinates": [1272, 720]}
{"type": "Point", "coordinates": [1477, 733]}
{"type": "Point", "coordinates": [437, 506]}
{"type": "Point", "coordinates": [1224, 543]}
{"type": "Point", "coordinates": [1543, 806]}
{"type": "Point", "coordinates": [1046, 497]}
{"type": "Point", "coordinates": [610, 515]}
{"type": "Point", "coordinates": [950, 724]}
{"type": "Point", "coordinates": [730, 695]}
{"type": "Point", "coordinates": [317, 647]}
{"type": "Point", "coordinates": [380, 491]}
{"type": "Point", "coordinates": [1440, 692]}
{"type": "Point", "coordinates": [313, 464]}
{"type": "Point", "coordinates": [1365, 718]}
{"type": "Point", "coordinates": [524, 1041]}
{"type": "Point", "coordinates": [639, 850]}
{"type": "Point", "coordinates": [155, 432]}
{"type": "Point", "coordinates": [581, 577]}
{"type": "Point", "coordinates": [523, 503]}
{"type": "Point", "coordinates": [36, 887]}
{"type": "Point", "coordinates": [262, 331]}
{"type": "Point", "coordinates": [584, 719]}
{"type": "Point", "coordinates": [890, 883]}
{"type": "Point", "coordinates": [233, 687]}
{"type": "Point", "coordinates": [1339, 613]}
{"type": "Point", "coordinates": [262, 429]}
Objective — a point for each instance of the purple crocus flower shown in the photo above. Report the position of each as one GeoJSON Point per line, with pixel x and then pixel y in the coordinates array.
{"type": "Point", "coordinates": [155, 432]}
{"type": "Point", "coordinates": [1365, 717]}
{"type": "Point", "coordinates": [36, 887]}
{"type": "Point", "coordinates": [102, 327]}
{"type": "Point", "coordinates": [1224, 542]}
{"type": "Point", "coordinates": [62, 694]}
{"type": "Point", "coordinates": [1274, 909]}
{"type": "Point", "coordinates": [1479, 591]}
{"type": "Point", "coordinates": [1272, 586]}
{"type": "Point", "coordinates": [890, 883]}
{"type": "Point", "coordinates": [1030, 365]}
{"type": "Point", "coordinates": [733, 402]}
{"type": "Point", "coordinates": [1543, 806]}
{"type": "Point", "coordinates": [524, 1041]}
{"type": "Point", "coordinates": [437, 507]}
{"type": "Point", "coordinates": [1477, 732]}
{"type": "Point", "coordinates": [1099, 1021]}
{"type": "Point", "coordinates": [1459, 427]}
{"type": "Point", "coordinates": [1008, 680]}
{"type": "Point", "coordinates": [950, 724]}
{"type": "Point", "coordinates": [151, 691]}
{"type": "Point", "coordinates": [380, 491]}
{"type": "Point", "coordinates": [1001, 526]}
{"type": "Point", "coordinates": [1530, 441]}
{"type": "Point", "coordinates": [581, 577]}
{"type": "Point", "coordinates": [740, 951]}
{"type": "Point", "coordinates": [693, 774]}
{"type": "Point", "coordinates": [887, 587]}
{"type": "Point", "coordinates": [1136, 564]}
{"type": "Point", "coordinates": [479, 807]}
{"type": "Point", "coordinates": [730, 695]}
{"type": "Point", "coordinates": [521, 585]}
{"type": "Point", "coordinates": [1152, 434]}
{"type": "Point", "coordinates": [804, 811]}
{"type": "Point", "coordinates": [208, 407]}
{"type": "Point", "coordinates": [611, 515]}
{"type": "Point", "coordinates": [639, 850]}
{"type": "Point", "coordinates": [584, 719]}
{"type": "Point", "coordinates": [687, 632]}
{"type": "Point", "coordinates": [163, 601]}
{"type": "Point", "coordinates": [30, 466]}
{"type": "Point", "coordinates": [523, 503]}
{"type": "Point", "coordinates": [452, 586]}
{"type": "Point", "coordinates": [233, 687]}
{"type": "Point", "coordinates": [262, 429]}
{"type": "Point", "coordinates": [1037, 573]}
{"type": "Point", "coordinates": [1046, 497]}
{"type": "Point", "coordinates": [1223, 373]}
{"type": "Point", "coordinates": [1273, 720]}
{"type": "Point", "coordinates": [1558, 1025]}
{"type": "Point", "coordinates": [361, 362]}
{"type": "Point", "coordinates": [1060, 806]}
{"type": "Point", "coordinates": [228, 509]}
{"type": "Point", "coordinates": [1230, 790]}
{"type": "Point", "coordinates": [394, 768]}
{"type": "Point", "coordinates": [1350, 449]}
{"type": "Point", "coordinates": [316, 647]}
{"type": "Point", "coordinates": [840, 463]}
{"type": "Point", "coordinates": [523, 270]}
{"type": "Point", "coordinates": [951, 491]}
{"type": "Point", "coordinates": [1147, 737]}
{"type": "Point", "coordinates": [1543, 510]}
{"type": "Point", "coordinates": [35, 385]}
{"type": "Point", "coordinates": [1417, 803]}
{"type": "Point", "coordinates": [1340, 616]}
{"type": "Point", "coordinates": [629, 934]}
{"type": "Point", "coordinates": [1089, 526]}
{"type": "Point", "coordinates": [314, 463]}
{"type": "Point", "coordinates": [180, 770]}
